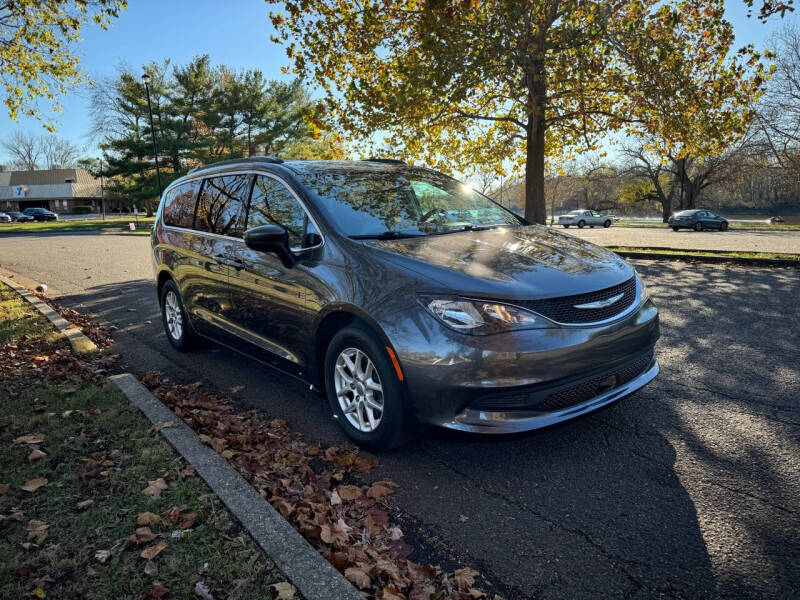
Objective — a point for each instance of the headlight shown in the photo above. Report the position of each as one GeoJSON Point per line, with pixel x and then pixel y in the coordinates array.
{"type": "Point", "coordinates": [644, 294]}
{"type": "Point", "coordinates": [481, 318]}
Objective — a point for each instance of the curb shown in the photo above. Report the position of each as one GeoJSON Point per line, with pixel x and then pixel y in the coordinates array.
{"type": "Point", "coordinates": [79, 342]}
{"type": "Point", "coordinates": [737, 260]}
{"type": "Point", "coordinates": [311, 574]}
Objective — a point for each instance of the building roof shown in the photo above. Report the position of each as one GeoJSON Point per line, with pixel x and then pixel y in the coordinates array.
{"type": "Point", "coordinates": [50, 177]}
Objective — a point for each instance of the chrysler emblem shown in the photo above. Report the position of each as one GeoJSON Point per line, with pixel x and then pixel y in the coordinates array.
{"type": "Point", "coordinates": [600, 303]}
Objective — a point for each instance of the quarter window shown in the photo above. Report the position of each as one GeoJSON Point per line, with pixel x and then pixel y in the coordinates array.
{"type": "Point", "coordinates": [273, 204]}
{"type": "Point", "coordinates": [220, 208]}
{"type": "Point", "coordinates": [179, 204]}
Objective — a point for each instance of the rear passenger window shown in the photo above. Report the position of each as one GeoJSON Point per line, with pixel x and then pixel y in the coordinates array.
{"type": "Point", "coordinates": [220, 208]}
{"type": "Point", "coordinates": [273, 204]}
{"type": "Point", "coordinates": [179, 204]}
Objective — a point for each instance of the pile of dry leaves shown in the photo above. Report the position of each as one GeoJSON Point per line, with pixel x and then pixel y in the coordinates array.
{"type": "Point", "coordinates": [316, 490]}
{"type": "Point", "coordinates": [99, 334]}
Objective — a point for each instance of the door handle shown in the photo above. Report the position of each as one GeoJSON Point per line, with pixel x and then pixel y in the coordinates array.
{"type": "Point", "coordinates": [236, 263]}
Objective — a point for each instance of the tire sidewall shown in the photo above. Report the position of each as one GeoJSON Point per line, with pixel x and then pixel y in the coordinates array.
{"type": "Point", "coordinates": [698, 227]}
{"type": "Point", "coordinates": [607, 224]}
{"type": "Point", "coordinates": [581, 224]}
{"type": "Point", "coordinates": [184, 341]}
{"type": "Point", "coordinates": [392, 428]}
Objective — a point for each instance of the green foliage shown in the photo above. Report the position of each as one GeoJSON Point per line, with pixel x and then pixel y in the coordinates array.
{"type": "Point", "coordinates": [37, 59]}
{"type": "Point", "coordinates": [82, 210]}
{"type": "Point", "coordinates": [201, 114]}
{"type": "Point", "coordinates": [496, 82]}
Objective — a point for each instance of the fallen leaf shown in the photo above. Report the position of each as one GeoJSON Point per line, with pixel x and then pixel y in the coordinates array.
{"type": "Point", "coordinates": [189, 471]}
{"type": "Point", "coordinates": [148, 518]}
{"type": "Point", "coordinates": [102, 555]}
{"type": "Point", "coordinates": [202, 591]}
{"type": "Point", "coordinates": [358, 577]}
{"type": "Point", "coordinates": [37, 530]}
{"type": "Point", "coordinates": [163, 425]}
{"type": "Point", "coordinates": [379, 489]}
{"type": "Point", "coordinates": [159, 590]}
{"type": "Point", "coordinates": [84, 504]}
{"type": "Point", "coordinates": [284, 589]}
{"type": "Point", "coordinates": [142, 535]}
{"type": "Point", "coordinates": [335, 498]}
{"type": "Point", "coordinates": [4, 487]}
{"type": "Point", "coordinates": [155, 487]}
{"type": "Point", "coordinates": [36, 454]}
{"type": "Point", "coordinates": [34, 484]}
{"type": "Point", "coordinates": [171, 515]}
{"type": "Point", "coordinates": [464, 578]}
{"type": "Point", "coordinates": [31, 438]}
{"type": "Point", "coordinates": [38, 592]}
{"type": "Point", "coordinates": [188, 519]}
{"type": "Point", "coordinates": [150, 569]}
{"type": "Point", "coordinates": [349, 492]}
{"type": "Point", "coordinates": [151, 552]}
{"type": "Point", "coordinates": [390, 593]}
{"type": "Point", "coordinates": [236, 389]}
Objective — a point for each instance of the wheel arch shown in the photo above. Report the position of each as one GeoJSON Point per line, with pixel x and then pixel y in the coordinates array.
{"type": "Point", "coordinates": [163, 276]}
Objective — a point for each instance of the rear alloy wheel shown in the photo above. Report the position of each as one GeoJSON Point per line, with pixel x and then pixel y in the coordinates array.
{"type": "Point", "coordinates": [607, 224]}
{"type": "Point", "coordinates": [176, 325]}
{"type": "Point", "coordinates": [698, 227]}
{"type": "Point", "coordinates": [363, 390]}
{"type": "Point", "coordinates": [581, 224]}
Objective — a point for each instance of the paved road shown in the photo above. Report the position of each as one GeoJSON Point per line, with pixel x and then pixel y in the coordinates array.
{"type": "Point", "coordinates": [748, 241]}
{"type": "Point", "coordinates": [690, 488]}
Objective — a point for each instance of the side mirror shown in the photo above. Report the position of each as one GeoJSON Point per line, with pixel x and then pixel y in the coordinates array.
{"type": "Point", "coordinates": [270, 238]}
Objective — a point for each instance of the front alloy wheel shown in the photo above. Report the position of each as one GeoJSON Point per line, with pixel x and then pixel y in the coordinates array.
{"type": "Point", "coordinates": [363, 389]}
{"type": "Point", "coordinates": [359, 390]}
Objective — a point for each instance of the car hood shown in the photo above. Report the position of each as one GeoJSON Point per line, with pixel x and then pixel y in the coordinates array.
{"type": "Point", "coordinates": [522, 262]}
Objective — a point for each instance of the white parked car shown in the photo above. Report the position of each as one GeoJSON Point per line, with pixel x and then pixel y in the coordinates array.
{"type": "Point", "coordinates": [581, 218]}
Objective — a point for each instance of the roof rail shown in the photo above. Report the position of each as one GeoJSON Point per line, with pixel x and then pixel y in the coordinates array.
{"type": "Point", "coordinates": [246, 160]}
{"type": "Point", "coordinates": [390, 161]}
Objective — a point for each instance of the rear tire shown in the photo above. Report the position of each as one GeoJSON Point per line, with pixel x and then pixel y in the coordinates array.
{"type": "Point", "coordinates": [173, 316]}
{"type": "Point", "coordinates": [354, 388]}
{"type": "Point", "coordinates": [675, 228]}
{"type": "Point", "coordinates": [566, 226]}
{"type": "Point", "coordinates": [581, 224]}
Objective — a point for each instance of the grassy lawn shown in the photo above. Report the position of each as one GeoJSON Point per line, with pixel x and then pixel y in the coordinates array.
{"type": "Point", "coordinates": [733, 254]}
{"type": "Point", "coordinates": [93, 464]}
{"type": "Point", "coordinates": [116, 223]}
{"type": "Point", "coordinates": [765, 226]}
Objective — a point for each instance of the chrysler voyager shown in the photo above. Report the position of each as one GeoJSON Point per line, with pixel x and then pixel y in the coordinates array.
{"type": "Point", "coordinates": [401, 294]}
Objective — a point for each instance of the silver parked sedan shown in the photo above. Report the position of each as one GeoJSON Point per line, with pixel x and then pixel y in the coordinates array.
{"type": "Point", "coordinates": [583, 217]}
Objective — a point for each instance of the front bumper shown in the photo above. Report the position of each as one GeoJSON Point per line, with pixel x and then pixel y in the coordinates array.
{"type": "Point", "coordinates": [449, 376]}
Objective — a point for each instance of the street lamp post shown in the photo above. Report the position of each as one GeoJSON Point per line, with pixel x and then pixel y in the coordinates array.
{"type": "Point", "coordinates": [146, 80]}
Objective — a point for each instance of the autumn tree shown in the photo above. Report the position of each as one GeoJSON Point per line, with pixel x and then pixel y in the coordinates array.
{"type": "Point", "coordinates": [37, 56]}
{"type": "Point", "coordinates": [457, 83]}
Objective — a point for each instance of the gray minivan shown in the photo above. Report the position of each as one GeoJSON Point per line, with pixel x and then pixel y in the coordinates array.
{"type": "Point", "coordinates": [401, 294]}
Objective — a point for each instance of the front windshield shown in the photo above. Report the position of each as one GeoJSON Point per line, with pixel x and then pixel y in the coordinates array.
{"type": "Point", "coordinates": [408, 201]}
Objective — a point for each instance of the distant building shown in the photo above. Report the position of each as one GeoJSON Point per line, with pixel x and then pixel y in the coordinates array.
{"type": "Point", "coordinates": [59, 190]}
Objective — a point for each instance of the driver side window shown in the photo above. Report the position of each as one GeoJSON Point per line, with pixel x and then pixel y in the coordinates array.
{"type": "Point", "coordinates": [272, 203]}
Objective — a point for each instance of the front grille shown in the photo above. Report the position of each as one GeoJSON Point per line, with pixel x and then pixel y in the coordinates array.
{"type": "Point", "coordinates": [562, 310]}
{"type": "Point", "coordinates": [531, 399]}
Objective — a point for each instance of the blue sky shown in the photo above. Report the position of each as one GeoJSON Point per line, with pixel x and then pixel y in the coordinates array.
{"type": "Point", "coordinates": [234, 32]}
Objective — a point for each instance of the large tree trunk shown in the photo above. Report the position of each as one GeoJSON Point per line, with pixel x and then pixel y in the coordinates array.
{"type": "Point", "coordinates": [535, 207]}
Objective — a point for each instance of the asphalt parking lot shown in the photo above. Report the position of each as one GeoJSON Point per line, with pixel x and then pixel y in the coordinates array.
{"type": "Point", "coordinates": [690, 488]}
{"type": "Point", "coordinates": [664, 237]}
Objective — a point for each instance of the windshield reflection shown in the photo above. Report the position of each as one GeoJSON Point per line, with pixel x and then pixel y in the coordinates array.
{"type": "Point", "coordinates": [404, 202]}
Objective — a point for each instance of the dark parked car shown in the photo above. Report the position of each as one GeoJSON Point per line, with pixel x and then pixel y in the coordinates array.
{"type": "Point", "coordinates": [402, 294]}
{"type": "Point", "coordinates": [697, 219]}
{"type": "Point", "coordinates": [5, 217]}
{"type": "Point", "coordinates": [18, 216]}
{"type": "Point", "coordinates": [40, 214]}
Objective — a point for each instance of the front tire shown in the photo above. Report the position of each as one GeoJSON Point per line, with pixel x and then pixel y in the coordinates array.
{"type": "Point", "coordinates": [723, 227]}
{"type": "Point", "coordinates": [698, 227]}
{"type": "Point", "coordinates": [607, 224]}
{"type": "Point", "coordinates": [675, 228]}
{"type": "Point", "coordinates": [173, 316]}
{"type": "Point", "coordinates": [581, 224]}
{"type": "Point", "coordinates": [363, 391]}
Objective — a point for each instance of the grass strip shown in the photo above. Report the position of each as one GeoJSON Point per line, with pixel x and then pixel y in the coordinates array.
{"type": "Point", "coordinates": [143, 225]}
{"type": "Point", "coordinates": [105, 489]}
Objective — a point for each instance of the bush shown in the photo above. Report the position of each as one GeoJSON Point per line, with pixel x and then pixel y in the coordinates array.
{"type": "Point", "coordinates": [82, 210]}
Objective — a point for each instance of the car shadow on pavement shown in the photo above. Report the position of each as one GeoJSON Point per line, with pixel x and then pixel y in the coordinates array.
{"type": "Point", "coordinates": [683, 489]}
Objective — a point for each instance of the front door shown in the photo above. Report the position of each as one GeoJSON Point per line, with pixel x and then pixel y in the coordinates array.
{"type": "Point", "coordinates": [268, 299]}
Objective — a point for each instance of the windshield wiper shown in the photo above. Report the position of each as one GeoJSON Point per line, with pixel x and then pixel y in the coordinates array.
{"type": "Point", "coordinates": [466, 228]}
{"type": "Point", "coordinates": [386, 235]}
